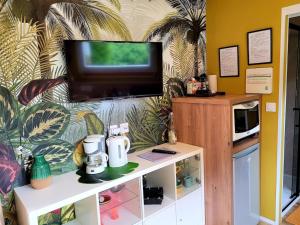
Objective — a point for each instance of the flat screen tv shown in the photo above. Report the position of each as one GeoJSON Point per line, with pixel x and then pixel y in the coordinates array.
{"type": "Point", "coordinates": [107, 69]}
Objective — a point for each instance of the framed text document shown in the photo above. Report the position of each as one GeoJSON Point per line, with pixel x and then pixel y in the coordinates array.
{"type": "Point", "coordinates": [259, 46]}
{"type": "Point", "coordinates": [229, 61]}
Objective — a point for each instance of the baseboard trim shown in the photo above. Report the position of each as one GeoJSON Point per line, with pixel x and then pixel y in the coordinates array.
{"type": "Point", "coordinates": [266, 220]}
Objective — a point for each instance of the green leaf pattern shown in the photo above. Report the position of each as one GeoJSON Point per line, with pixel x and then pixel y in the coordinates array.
{"type": "Point", "coordinates": [93, 124]}
{"type": "Point", "coordinates": [8, 111]}
{"type": "Point", "coordinates": [58, 152]}
{"type": "Point", "coordinates": [44, 122]}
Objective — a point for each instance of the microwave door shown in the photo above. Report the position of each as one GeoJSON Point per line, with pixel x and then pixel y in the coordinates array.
{"type": "Point", "coordinates": [240, 121]}
{"type": "Point", "coordinates": [245, 119]}
{"type": "Point", "coordinates": [252, 117]}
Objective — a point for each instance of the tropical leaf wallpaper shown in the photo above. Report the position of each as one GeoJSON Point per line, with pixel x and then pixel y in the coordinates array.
{"type": "Point", "coordinates": [35, 115]}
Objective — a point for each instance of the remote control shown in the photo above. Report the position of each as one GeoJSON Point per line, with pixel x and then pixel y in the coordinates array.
{"type": "Point", "coordinates": [164, 151]}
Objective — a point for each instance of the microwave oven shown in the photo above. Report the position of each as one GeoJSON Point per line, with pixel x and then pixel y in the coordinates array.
{"type": "Point", "coordinates": [245, 120]}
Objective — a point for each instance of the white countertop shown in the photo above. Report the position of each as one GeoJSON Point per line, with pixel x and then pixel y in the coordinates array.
{"type": "Point", "coordinates": [66, 189]}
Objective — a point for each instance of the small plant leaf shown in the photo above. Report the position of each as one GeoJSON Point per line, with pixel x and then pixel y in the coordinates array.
{"type": "Point", "coordinates": [44, 122]}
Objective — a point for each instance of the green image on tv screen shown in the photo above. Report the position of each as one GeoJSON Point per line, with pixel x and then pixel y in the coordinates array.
{"type": "Point", "coordinates": [104, 54]}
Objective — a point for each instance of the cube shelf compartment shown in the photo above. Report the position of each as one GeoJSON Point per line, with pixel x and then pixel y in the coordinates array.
{"type": "Point", "coordinates": [124, 208]}
{"type": "Point", "coordinates": [164, 177]}
{"type": "Point", "coordinates": [188, 176]}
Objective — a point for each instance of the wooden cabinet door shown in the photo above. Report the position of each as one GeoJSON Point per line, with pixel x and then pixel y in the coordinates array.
{"type": "Point", "coordinates": [189, 121]}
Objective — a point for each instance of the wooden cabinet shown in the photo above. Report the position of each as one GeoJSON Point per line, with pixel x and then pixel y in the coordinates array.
{"type": "Point", "coordinates": [207, 122]}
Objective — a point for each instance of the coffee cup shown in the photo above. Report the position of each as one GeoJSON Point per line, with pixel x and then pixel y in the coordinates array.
{"type": "Point", "coordinates": [188, 181]}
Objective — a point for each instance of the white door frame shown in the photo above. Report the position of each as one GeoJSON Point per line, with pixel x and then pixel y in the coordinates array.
{"type": "Point", "coordinates": [286, 14]}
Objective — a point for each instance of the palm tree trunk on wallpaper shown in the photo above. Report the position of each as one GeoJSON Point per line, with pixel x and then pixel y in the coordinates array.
{"type": "Point", "coordinates": [46, 69]}
{"type": "Point", "coordinates": [196, 69]}
{"type": "Point", "coordinates": [189, 20]}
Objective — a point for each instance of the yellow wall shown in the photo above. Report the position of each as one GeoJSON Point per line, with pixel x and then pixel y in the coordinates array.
{"type": "Point", "coordinates": [228, 22]}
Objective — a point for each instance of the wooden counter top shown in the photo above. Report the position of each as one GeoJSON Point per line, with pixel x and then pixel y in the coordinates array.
{"type": "Point", "coordinates": [217, 100]}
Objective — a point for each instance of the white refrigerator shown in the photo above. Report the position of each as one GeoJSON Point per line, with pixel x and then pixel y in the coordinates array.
{"type": "Point", "coordinates": [246, 188]}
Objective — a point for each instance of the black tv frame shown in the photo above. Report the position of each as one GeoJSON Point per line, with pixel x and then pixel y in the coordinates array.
{"type": "Point", "coordinates": [87, 83]}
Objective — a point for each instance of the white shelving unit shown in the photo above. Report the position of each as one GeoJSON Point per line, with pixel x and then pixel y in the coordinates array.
{"type": "Point", "coordinates": [127, 206]}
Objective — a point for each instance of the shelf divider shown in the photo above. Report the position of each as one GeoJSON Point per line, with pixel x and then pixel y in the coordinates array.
{"type": "Point", "coordinates": [87, 211]}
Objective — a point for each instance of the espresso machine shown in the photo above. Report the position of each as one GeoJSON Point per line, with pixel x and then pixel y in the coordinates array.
{"type": "Point", "coordinates": [96, 158]}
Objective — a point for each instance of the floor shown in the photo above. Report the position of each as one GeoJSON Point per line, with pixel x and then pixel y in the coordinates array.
{"type": "Point", "coordinates": [284, 222]}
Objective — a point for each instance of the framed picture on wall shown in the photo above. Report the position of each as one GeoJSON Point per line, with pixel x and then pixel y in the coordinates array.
{"type": "Point", "coordinates": [259, 46]}
{"type": "Point", "coordinates": [229, 61]}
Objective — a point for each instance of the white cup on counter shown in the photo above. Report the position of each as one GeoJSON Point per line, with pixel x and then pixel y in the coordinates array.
{"type": "Point", "coordinates": [212, 83]}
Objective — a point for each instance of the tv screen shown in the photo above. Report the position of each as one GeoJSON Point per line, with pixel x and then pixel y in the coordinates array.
{"type": "Point", "coordinates": [106, 69]}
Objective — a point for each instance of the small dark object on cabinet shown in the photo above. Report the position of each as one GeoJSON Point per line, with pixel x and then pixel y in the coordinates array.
{"type": "Point", "coordinates": [163, 151]}
{"type": "Point", "coordinates": [153, 195]}
{"type": "Point", "coordinates": [221, 93]}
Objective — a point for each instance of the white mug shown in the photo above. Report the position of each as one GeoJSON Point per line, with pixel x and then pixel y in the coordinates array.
{"type": "Point", "coordinates": [212, 83]}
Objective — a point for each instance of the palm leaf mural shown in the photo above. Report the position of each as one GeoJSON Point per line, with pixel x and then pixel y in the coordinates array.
{"type": "Point", "coordinates": [94, 124]}
{"type": "Point", "coordinates": [67, 213]}
{"type": "Point", "coordinates": [56, 152]}
{"type": "Point", "coordinates": [9, 119]}
{"type": "Point", "coordinates": [17, 48]}
{"type": "Point", "coordinates": [9, 169]}
{"type": "Point", "coordinates": [164, 27]}
{"type": "Point", "coordinates": [145, 131]}
{"type": "Point", "coordinates": [149, 125]}
{"type": "Point", "coordinates": [25, 60]}
{"type": "Point", "coordinates": [44, 122]}
{"type": "Point", "coordinates": [175, 88]}
{"type": "Point", "coordinates": [37, 87]}
{"type": "Point", "coordinates": [59, 216]}
{"type": "Point", "coordinates": [8, 174]}
{"type": "Point", "coordinates": [55, 16]}
{"type": "Point", "coordinates": [189, 19]}
{"type": "Point", "coordinates": [181, 53]}
{"type": "Point", "coordinates": [90, 15]}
